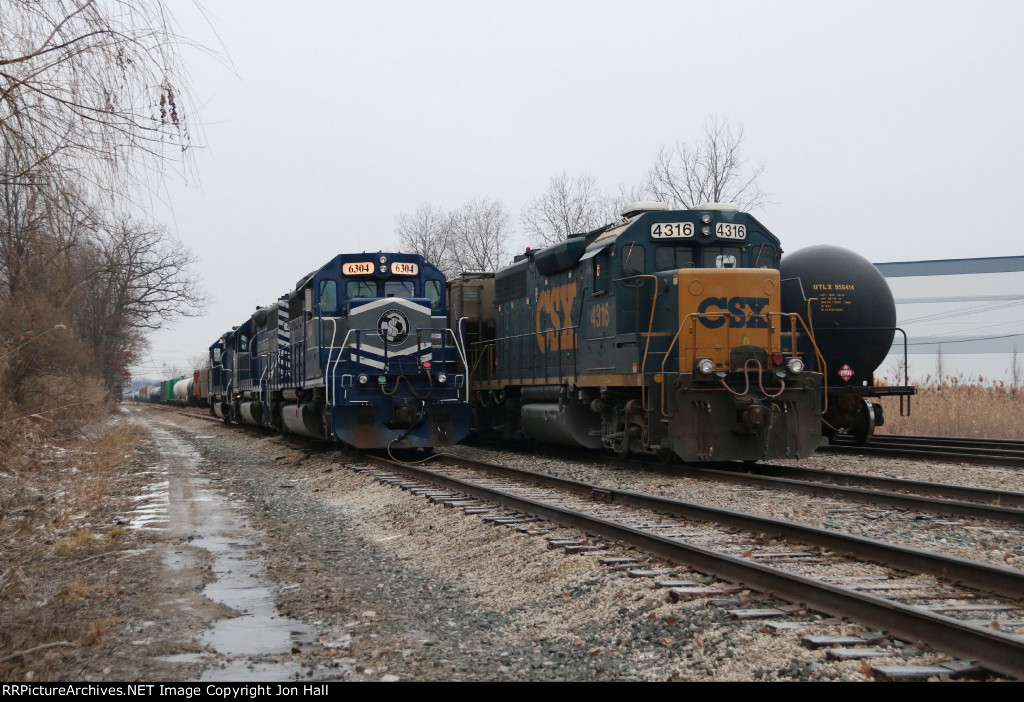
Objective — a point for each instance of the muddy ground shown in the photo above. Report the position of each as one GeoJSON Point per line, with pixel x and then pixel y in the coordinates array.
{"type": "Point", "coordinates": [216, 553]}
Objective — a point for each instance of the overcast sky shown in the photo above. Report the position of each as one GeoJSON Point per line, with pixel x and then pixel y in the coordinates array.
{"type": "Point", "coordinates": [891, 128]}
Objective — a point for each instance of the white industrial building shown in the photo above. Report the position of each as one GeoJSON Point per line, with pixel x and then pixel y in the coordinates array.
{"type": "Point", "coordinates": [964, 316]}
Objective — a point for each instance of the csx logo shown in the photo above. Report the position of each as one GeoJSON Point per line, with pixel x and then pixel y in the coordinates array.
{"type": "Point", "coordinates": [744, 311]}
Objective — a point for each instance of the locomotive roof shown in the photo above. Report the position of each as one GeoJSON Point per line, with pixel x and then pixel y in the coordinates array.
{"type": "Point", "coordinates": [340, 259]}
{"type": "Point", "coordinates": [716, 210]}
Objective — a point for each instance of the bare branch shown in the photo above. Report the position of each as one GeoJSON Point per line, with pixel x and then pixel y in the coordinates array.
{"type": "Point", "coordinates": [569, 206]}
{"type": "Point", "coordinates": [713, 170]}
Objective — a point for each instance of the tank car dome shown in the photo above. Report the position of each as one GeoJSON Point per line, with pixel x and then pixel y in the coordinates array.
{"type": "Point", "coordinates": [854, 316]}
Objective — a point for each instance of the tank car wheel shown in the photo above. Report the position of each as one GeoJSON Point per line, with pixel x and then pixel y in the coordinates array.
{"type": "Point", "coordinates": [864, 428]}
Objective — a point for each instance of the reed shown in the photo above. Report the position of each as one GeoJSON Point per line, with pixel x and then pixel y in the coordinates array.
{"type": "Point", "coordinates": [954, 406]}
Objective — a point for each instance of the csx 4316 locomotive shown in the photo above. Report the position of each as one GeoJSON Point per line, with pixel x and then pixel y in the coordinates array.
{"type": "Point", "coordinates": [661, 334]}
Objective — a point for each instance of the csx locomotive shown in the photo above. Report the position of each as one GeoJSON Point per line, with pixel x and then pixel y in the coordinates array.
{"type": "Point", "coordinates": [359, 351]}
{"type": "Point", "coordinates": [661, 334]}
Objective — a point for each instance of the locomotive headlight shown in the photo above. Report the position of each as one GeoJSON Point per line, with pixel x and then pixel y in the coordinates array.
{"type": "Point", "coordinates": [705, 366]}
{"type": "Point", "coordinates": [441, 377]}
{"type": "Point", "coordinates": [705, 230]}
{"type": "Point", "coordinates": [706, 218]}
{"type": "Point", "coordinates": [795, 366]}
{"type": "Point", "coordinates": [363, 378]}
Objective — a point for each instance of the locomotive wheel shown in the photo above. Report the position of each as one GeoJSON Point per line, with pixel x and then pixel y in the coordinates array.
{"type": "Point", "coordinates": [621, 449]}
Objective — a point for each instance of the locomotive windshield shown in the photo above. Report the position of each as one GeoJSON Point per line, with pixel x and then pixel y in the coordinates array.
{"type": "Point", "coordinates": [722, 256]}
{"type": "Point", "coordinates": [671, 258]}
{"type": "Point", "coordinates": [400, 288]}
{"type": "Point", "coordinates": [361, 288]}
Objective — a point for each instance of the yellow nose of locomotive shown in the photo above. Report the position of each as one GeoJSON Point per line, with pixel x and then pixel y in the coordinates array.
{"type": "Point", "coordinates": [723, 309]}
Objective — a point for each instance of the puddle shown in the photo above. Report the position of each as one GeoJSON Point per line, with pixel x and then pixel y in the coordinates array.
{"type": "Point", "coordinates": [187, 507]}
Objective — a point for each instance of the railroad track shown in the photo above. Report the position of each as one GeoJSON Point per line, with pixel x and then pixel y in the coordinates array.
{"type": "Point", "coordinates": [958, 450]}
{"type": "Point", "coordinates": [806, 569]}
{"type": "Point", "coordinates": [920, 496]}
{"type": "Point", "coordinates": [743, 548]}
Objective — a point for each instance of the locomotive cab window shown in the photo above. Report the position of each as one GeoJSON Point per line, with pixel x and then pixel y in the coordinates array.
{"type": "Point", "coordinates": [328, 297]}
{"type": "Point", "coordinates": [722, 257]}
{"type": "Point", "coordinates": [432, 291]}
{"type": "Point", "coordinates": [361, 288]}
{"type": "Point", "coordinates": [400, 288]}
{"type": "Point", "coordinates": [672, 258]}
{"type": "Point", "coordinates": [634, 259]}
{"type": "Point", "coordinates": [764, 256]}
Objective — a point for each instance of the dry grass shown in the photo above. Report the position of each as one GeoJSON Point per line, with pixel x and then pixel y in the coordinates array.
{"type": "Point", "coordinates": [57, 498]}
{"type": "Point", "coordinates": [955, 407]}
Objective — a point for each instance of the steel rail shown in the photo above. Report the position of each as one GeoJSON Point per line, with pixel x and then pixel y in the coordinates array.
{"type": "Point", "coordinates": [998, 580]}
{"type": "Point", "coordinates": [1003, 653]}
{"type": "Point", "coordinates": [876, 497]}
{"type": "Point", "coordinates": [960, 441]}
{"type": "Point", "coordinates": [998, 497]}
{"type": "Point", "coordinates": [1013, 459]}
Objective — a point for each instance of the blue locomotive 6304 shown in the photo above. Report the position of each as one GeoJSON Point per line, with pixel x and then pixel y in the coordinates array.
{"type": "Point", "coordinates": [359, 351]}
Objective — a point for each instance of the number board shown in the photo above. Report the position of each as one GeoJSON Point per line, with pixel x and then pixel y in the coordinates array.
{"type": "Point", "coordinates": [672, 230]}
{"type": "Point", "coordinates": [399, 268]}
{"type": "Point", "coordinates": [726, 230]}
{"type": "Point", "coordinates": [358, 268]}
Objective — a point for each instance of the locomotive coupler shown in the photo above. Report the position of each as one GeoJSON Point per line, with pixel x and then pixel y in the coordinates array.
{"type": "Point", "coordinates": [751, 416]}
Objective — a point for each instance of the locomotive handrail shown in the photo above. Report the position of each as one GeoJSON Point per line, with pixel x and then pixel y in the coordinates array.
{"type": "Point", "coordinates": [691, 318]}
{"type": "Point", "coordinates": [335, 360]}
{"type": "Point", "coordinates": [262, 376]}
{"type": "Point", "coordinates": [344, 345]}
{"type": "Point", "coordinates": [544, 365]}
{"type": "Point", "coordinates": [462, 352]}
{"type": "Point", "coordinates": [647, 344]}
{"type": "Point", "coordinates": [814, 345]}
{"type": "Point", "coordinates": [330, 371]}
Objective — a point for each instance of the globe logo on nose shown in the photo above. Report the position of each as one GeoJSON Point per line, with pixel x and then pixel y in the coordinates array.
{"type": "Point", "coordinates": [394, 327]}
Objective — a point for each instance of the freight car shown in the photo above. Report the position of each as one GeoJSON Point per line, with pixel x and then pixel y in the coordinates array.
{"type": "Point", "coordinates": [358, 351]}
{"type": "Point", "coordinates": [661, 334]}
{"type": "Point", "coordinates": [847, 304]}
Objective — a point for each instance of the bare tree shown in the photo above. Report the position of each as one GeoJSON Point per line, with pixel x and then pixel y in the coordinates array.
{"type": "Point", "coordinates": [569, 206]}
{"type": "Point", "coordinates": [428, 232]}
{"type": "Point", "coordinates": [91, 93]}
{"type": "Point", "coordinates": [626, 196]}
{"type": "Point", "coordinates": [132, 281]}
{"type": "Point", "coordinates": [713, 170]}
{"type": "Point", "coordinates": [481, 232]}
{"type": "Point", "coordinates": [93, 108]}
{"type": "Point", "coordinates": [473, 237]}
